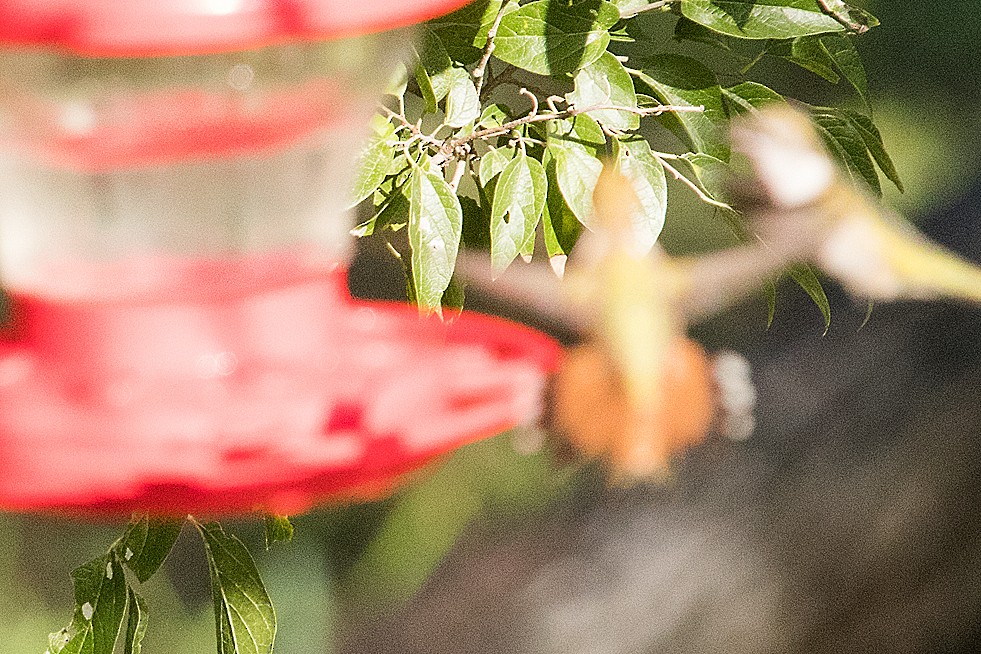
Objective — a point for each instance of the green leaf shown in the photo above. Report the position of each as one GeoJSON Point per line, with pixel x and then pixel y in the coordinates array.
{"type": "Point", "coordinates": [576, 172]}
{"type": "Point", "coordinates": [435, 227]}
{"type": "Point", "coordinates": [136, 624]}
{"type": "Point", "coordinates": [852, 18]}
{"type": "Point", "coordinates": [873, 141]}
{"type": "Point", "coordinates": [646, 175]}
{"type": "Point", "coordinates": [279, 529]}
{"type": "Point", "coordinates": [391, 207]}
{"type": "Point", "coordinates": [146, 544]}
{"type": "Point", "coordinates": [629, 8]}
{"type": "Point", "coordinates": [375, 161]}
{"type": "Point", "coordinates": [770, 293]}
{"type": "Point", "coordinates": [580, 132]}
{"type": "Point", "coordinates": [842, 51]}
{"type": "Point", "coordinates": [689, 30]}
{"type": "Point", "coordinates": [714, 175]}
{"type": "Point", "coordinates": [435, 68]}
{"type": "Point", "coordinates": [560, 225]}
{"type": "Point", "coordinates": [749, 96]}
{"type": "Point", "coordinates": [462, 105]}
{"type": "Point", "coordinates": [551, 38]}
{"type": "Point", "coordinates": [494, 115]}
{"type": "Point", "coordinates": [808, 280]}
{"type": "Point", "coordinates": [100, 605]}
{"type": "Point", "coordinates": [605, 82]}
{"type": "Point", "coordinates": [682, 81]}
{"type": "Point", "coordinates": [847, 144]}
{"type": "Point", "coordinates": [245, 622]}
{"type": "Point", "coordinates": [761, 19]}
{"type": "Point", "coordinates": [519, 200]}
{"type": "Point", "coordinates": [464, 32]}
{"type": "Point", "coordinates": [809, 52]}
{"type": "Point", "coordinates": [493, 163]}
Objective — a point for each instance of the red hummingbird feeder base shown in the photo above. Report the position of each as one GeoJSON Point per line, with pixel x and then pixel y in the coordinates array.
{"type": "Point", "coordinates": [227, 412]}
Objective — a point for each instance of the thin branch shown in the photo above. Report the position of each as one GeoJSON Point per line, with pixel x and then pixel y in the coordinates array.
{"type": "Point", "coordinates": [461, 167]}
{"type": "Point", "coordinates": [478, 72]}
{"type": "Point", "coordinates": [842, 19]}
{"type": "Point", "coordinates": [702, 195]}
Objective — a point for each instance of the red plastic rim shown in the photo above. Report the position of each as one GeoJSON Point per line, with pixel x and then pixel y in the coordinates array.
{"type": "Point", "coordinates": [402, 392]}
{"type": "Point", "coordinates": [128, 28]}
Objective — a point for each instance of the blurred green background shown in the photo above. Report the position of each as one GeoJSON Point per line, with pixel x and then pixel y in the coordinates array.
{"type": "Point", "coordinates": [348, 562]}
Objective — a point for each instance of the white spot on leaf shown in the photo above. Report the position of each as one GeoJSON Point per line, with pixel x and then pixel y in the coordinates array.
{"type": "Point", "coordinates": [87, 611]}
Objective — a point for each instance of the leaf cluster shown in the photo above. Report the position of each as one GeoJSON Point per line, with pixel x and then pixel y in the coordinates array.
{"type": "Point", "coordinates": [494, 135]}
{"type": "Point", "coordinates": [109, 606]}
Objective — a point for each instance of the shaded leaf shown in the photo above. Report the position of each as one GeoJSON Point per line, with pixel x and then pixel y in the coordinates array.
{"type": "Point", "coordinates": [808, 280]}
{"type": "Point", "coordinates": [848, 146]}
{"type": "Point", "coordinates": [433, 74]}
{"type": "Point", "coordinates": [245, 622]}
{"type": "Point", "coordinates": [809, 52]}
{"type": "Point", "coordinates": [435, 228]}
{"type": "Point", "coordinates": [682, 81]}
{"type": "Point", "coordinates": [689, 30]}
{"type": "Point", "coordinates": [842, 51]}
{"type": "Point", "coordinates": [873, 141]}
{"type": "Point", "coordinates": [761, 19]}
{"type": "Point", "coordinates": [605, 82]}
{"type": "Point", "coordinates": [100, 605]}
{"type": "Point", "coordinates": [519, 200]}
{"type": "Point", "coordinates": [628, 8]}
{"type": "Point", "coordinates": [146, 544]}
{"type": "Point", "coordinates": [550, 38]}
{"type": "Point", "coordinates": [464, 32]}
{"type": "Point", "coordinates": [136, 624]}
{"type": "Point", "coordinates": [278, 529]}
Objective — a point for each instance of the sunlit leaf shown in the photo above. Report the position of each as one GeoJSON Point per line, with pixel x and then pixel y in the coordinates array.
{"type": "Point", "coordinates": [375, 161]}
{"type": "Point", "coordinates": [462, 105]}
{"type": "Point", "coordinates": [551, 38]}
{"type": "Point", "coordinates": [136, 624]}
{"type": "Point", "coordinates": [100, 605]}
{"type": "Point", "coordinates": [683, 81]}
{"type": "Point", "coordinates": [278, 529]}
{"type": "Point", "coordinates": [519, 200]}
{"type": "Point", "coordinates": [748, 96]}
{"type": "Point", "coordinates": [605, 82]}
{"type": "Point", "coordinates": [245, 622]}
{"type": "Point", "coordinates": [435, 228]}
{"type": "Point", "coordinates": [761, 19]}
{"type": "Point", "coordinates": [646, 175]}
{"type": "Point", "coordinates": [576, 172]}
{"type": "Point", "coordinates": [146, 544]}
{"type": "Point", "coordinates": [492, 163]}
{"type": "Point", "coordinates": [560, 225]}
{"type": "Point", "coordinates": [494, 115]}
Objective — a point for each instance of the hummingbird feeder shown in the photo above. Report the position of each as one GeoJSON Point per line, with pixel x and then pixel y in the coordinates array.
{"type": "Point", "coordinates": [173, 243]}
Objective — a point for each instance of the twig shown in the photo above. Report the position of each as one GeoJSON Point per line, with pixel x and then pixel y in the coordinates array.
{"type": "Point", "coordinates": [842, 19]}
{"type": "Point", "coordinates": [478, 72]}
{"type": "Point", "coordinates": [461, 168]}
{"type": "Point", "coordinates": [702, 195]}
